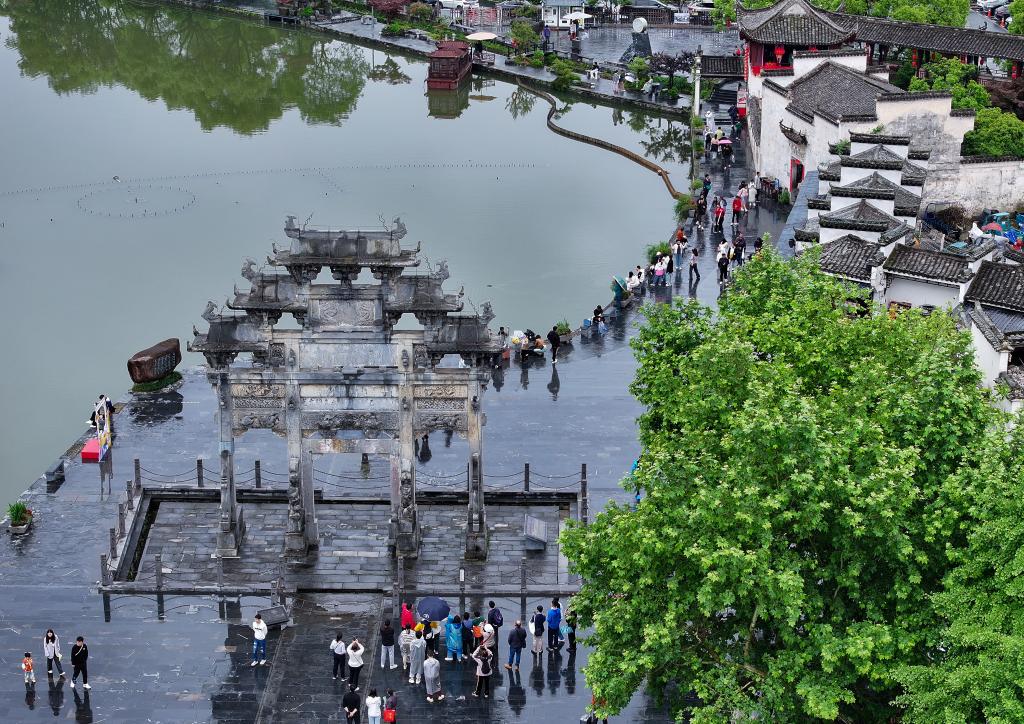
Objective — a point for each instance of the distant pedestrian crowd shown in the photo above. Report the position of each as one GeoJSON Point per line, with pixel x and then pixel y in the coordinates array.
{"type": "Point", "coordinates": [462, 638]}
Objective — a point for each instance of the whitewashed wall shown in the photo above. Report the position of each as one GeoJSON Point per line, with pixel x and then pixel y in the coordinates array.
{"type": "Point", "coordinates": [919, 293]}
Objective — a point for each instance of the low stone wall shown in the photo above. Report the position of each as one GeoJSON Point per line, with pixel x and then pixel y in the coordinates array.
{"type": "Point", "coordinates": [978, 183]}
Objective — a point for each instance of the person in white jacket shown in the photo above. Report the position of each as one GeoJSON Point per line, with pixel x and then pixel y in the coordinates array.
{"type": "Point", "coordinates": [405, 640]}
{"type": "Point", "coordinates": [339, 651]}
{"type": "Point", "coordinates": [51, 648]}
{"type": "Point", "coordinates": [259, 641]}
{"type": "Point", "coordinates": [355, 662]}
{"type": "Point", "coordinates": [417, 653]}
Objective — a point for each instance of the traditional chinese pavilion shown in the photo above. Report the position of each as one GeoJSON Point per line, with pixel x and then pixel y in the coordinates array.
{"type": "Point", "coordinates": [774, 33]}
{"type": "Point", "coordinates": [450, 64]}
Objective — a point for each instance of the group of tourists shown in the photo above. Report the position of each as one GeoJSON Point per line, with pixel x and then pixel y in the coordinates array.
{"type": "Point", "coordinates": [467, 638]}
{"type": "Point", "coordinates": [54, 656]}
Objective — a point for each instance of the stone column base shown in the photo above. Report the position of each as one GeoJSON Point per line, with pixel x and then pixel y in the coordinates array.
{"type": "Point", "coordinates": [476, 545]}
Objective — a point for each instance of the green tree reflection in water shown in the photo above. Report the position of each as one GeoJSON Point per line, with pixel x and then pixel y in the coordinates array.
{"type": "Point", "coordinates": [229, 73]}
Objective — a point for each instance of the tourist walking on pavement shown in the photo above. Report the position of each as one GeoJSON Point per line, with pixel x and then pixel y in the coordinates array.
{"type": "Point", "coordinates": [737, 210]}
{"type": "Point", "coordinates": [430, 634]}
{"type": "Point", "coordinates": [387, 645]}
{"type": "Point", "coordinates": [417, 652]}
{"type": "Point", "coordinates": [432, 678]}
{"type": "Point", "coordinates": [555, 341]}
{"type": "Point", "coordinates": [407, 618]}
{"type": "Point", "coordinates": [516, 644]}
{"type": "Point", "coordinates": [719, 215]}
{"type": "Point", "coordinates": [391, 704]}
{"type": "Point", "coordinates": [259, 641]}
{"type": "Point", "coordinates": [723, 267]}
{"type": "Point", "coordinates": [632, 283]}
{"type": "Point", "coordinates": [79, 663]}
{"type": "Point", "coordinates": [51, 648]}
{"type": "Point", "coordinates": [677, 252]}
{"type": "Point", "coordinates": [350, 704]}
{"type": "Point", "coordinates": [554, 621]}
{"type": "Point", "coordinates": [659, 272]}
{"type": "Point", "coordinates": [702, 211]}
{"type": "Point", "coordinates": [741, 248]}
{"type": "Point", "coordinates": [339, 651]}
{"type": "Point", "coordinates": [538, 631]}
{"type": "Point", "coordinates": [744, 194]}
{"type": "Point", "coordinates": [484, 667]}
{"type": "Point", "coordinates": [374, 705]}
{"type": "Point", "coordinates": [693, 265]}
{"type": "Point", "coordinates": [496, 620]}
{"type": "Point", "coordinates": [453, 638]}
{"type": "Point", "coordinates": [405, 640]}
{"type": "Point", "coordinates": [355, 661]}
{"type": "Point", "coordinates": [28, 668]}
{"type": "Point", "coordinates": [641, 278]}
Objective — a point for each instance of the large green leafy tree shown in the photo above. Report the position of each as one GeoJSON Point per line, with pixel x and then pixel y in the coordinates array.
{"type": "Point", "coordinates": [960, 79]}
{"type": "Point", "coordinates": [978, 677]}
{"type": "Point", "coordinates": [996, 133]}
{"type": "Point", "coordinates": [796, 469]}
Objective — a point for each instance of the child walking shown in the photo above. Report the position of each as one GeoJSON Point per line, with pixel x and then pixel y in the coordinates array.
{"type": "Point", "coordinates": [26, 666]}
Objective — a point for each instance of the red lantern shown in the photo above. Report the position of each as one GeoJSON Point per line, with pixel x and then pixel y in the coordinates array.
{"type": "Point", "coordinates": [812, 49]}
{"type": "Point", "coordinates": [913, 58]}
{"type": "Point", "coordinates": [779, 52]}
{"type": "Point", "coordinates": [1014, 71]}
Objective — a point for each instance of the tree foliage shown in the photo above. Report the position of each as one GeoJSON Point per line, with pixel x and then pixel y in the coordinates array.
{"type": "Point", "coordinates": [671, 65]}
{"type": "Point", "coordinates": [389, 8]}
{"type": "Point", "coordinates": [979, 677]}
{"type": "Point", "coordinates": [949, 74]}
{"type": "Point", "coordinates": [799, 465]}
{"type": "Point", "coordinates": [524, 36]}
{"type": "Point", "coordinates": [996, 133]}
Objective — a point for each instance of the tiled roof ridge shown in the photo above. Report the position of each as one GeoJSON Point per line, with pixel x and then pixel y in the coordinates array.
{"type": "Point", "coordinates": [834, 53]}
{"type": "Point", "coordinates": [913, 96]}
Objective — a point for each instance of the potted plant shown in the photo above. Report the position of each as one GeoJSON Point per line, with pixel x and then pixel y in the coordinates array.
{"type": "Point", "coordinates": [19, 517]}
{"type": "Point", "coordinates": [564, 331]}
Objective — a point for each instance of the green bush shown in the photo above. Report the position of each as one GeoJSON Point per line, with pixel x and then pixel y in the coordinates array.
{"type": "Point", "coordinates": [565, 74]}
{"type": "Point", "coordinates": [784, 197]}
{"type": "Point", "coordinates": [696, 184]}
{"type": "Point", "coordinates": [18, 512]}
{"type": "Point", "coordinates": [393, 29]}
{"type": "Point", "coordinates": [660, 247]}
{"type": "Point", "coordinates": [158, 385]}
{"type": "Point", "coordinates": [698, 146]}
{"type": "Point", "coordinates": [683, 206]}
{"type": "Point", "coordinates": [524, 36]}
{"type": "Point", "coordinates": [696, 122]}
{"type": "Point", "coordinates": [537, 59]}
{"type": "Point", "coordinates": [420, 12]}
{"type": "Point", "coordinates": [842, 148]}
{"type": "Point", "coordinates": [563, 327]}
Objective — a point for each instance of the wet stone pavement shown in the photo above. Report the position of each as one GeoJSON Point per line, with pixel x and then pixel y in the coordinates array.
{"type": "Point", "coordinates": [186, 658]}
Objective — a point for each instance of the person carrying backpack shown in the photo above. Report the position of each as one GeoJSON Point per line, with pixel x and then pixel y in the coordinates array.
{"type": "Point", "coordinates": [483, 659]}
{"type": "Point", "coordinates": [496, 620]}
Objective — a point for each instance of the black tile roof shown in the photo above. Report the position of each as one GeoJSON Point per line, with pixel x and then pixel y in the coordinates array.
{"type": "Point", "coordinates": [1014, 379]}
{"type": "Point", "coordinates": [926, 264]}
{"type": "Point", "coordinates": [791, 22]}
{"type": "Point", "coordinates": [820, 202]}
{"type": "Point", "coordinates": [809, 231]}
{"type": "Point", "coordinates": [851, 257]}
{"type": "Point", "coordinates": [830, 171]}
{"type": "Point", "coordinates": [721, 66]}
{"type": "Point", "coordinates": [942, 38]}
{"type": "Point", "coordinates": [998, 285]}
{"type": "Point", "coordinates": [877, 186]}
{"type": "Point", "coordinates": [797, 137]}
{"type": "Point", "coordinates": [836, 92]}
{"type": "Point", "coordinates": [1009, 323]}
{"type": "Point", "coordinates": [874, 138]}
{"type": "Point", "coordinates": [862, 216]}
{"type": "Point", "coordinates": [988, 330]}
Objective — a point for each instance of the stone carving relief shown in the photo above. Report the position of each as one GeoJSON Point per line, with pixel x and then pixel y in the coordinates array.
{"type": "Point", "coordinates": [441, 391]}
{"type": "Point", "coordinates": [440, 403]}
{"type": "Point", "coordinates": [256, 390]}
{"type": "Point", "coordinates": [426, 421]}
{"type": "Point", "coordinates": [350, 420]}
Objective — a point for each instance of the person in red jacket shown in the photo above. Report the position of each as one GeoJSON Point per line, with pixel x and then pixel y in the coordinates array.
{"type": "Point", "coordinates": [737, 210]}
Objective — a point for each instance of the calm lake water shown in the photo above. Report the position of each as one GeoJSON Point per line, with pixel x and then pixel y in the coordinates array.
{"type": "Point", "coordinates": [149, 150]}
